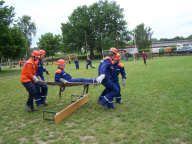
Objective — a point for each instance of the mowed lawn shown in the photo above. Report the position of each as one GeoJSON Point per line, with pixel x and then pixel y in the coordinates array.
{"type": "Point", "coordinates": [157, 107]}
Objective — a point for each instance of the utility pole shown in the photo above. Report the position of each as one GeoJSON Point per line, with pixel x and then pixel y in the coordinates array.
{"type": "Point", "coordinates": [102, 44]}
{"type": "Point", "coordinates": [86, 44]}
{"type": "Point", "coordinates": [150, 41]}
{"type": "Point", "coordinates": [117, 40]}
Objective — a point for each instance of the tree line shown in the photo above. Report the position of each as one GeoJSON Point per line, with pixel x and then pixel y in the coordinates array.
{"type": "Point", "coordinates": [97, 27]}
{"type": "Point", "coordinates": [177, 38]}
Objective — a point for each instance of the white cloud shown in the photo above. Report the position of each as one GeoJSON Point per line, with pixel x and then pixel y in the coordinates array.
{"type": "Point", "coordinates": [167, 18]}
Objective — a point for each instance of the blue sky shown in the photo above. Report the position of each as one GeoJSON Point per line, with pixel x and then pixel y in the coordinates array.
{"type": "Point", "coordinates": [167, 18]}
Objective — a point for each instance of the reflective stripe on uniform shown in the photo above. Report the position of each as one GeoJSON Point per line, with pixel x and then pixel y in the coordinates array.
{"type": "Point", "coordinates": [106, 98]}
{"type": "Point", "coordinates": [117, 97]}
{"type": "Point", "coordinates": [38, 100]}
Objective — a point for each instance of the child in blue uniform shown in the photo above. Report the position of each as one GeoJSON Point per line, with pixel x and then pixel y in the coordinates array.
{"type": "Point", "coordinates": [117, 68]}
{"type": "Point", "coordinates": [89, 63]}
{"type": "Point", "coordinates": [76, 63]}
{"type": "Point", "coordinates": [60, 73]}
{"type": "Point", "coordinates": [40, 97]}
{"type": "Point", "coordinates": [105, 73]}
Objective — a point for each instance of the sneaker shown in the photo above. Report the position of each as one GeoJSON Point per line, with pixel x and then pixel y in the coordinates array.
{"type": "Point", "coordinates": [28, 108]}
{"type": "Point", "coordinates": [45, 104]}
{"type": "Point", "coordinates": [119, 102]}
{"type": "Point", "coordinates": [105, 107]}
{"type": "Point", "coordinates": [39, 106]}
{"type": "Point", "coordinates": [35, 109]}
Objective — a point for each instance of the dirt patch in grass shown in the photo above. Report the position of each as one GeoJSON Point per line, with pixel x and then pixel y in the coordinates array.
{"type": "Point", "coordinates": [22, 125]}
{"type": "Point", "coordinates": [70, 124]}
{"type": "Point", "coordinates": [23, 140]}
{"type": "Point", "coordinates": [178, 140]}
{"type": "Point", "coordinates": [86, 137]}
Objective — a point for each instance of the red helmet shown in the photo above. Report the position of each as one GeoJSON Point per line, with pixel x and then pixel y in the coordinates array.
{"type": "Point", "coordinates": [35, 53]}
{"type": "Point", "coordinates": [118, 56]}
{"type": "Point", "coordinates": [42, 52]}
{"type": "Point", "coordinates": [61, 62]}
{"type": "Point", "coordinates": [113, 50]}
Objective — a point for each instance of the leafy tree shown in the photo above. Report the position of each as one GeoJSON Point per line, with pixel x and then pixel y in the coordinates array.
{"type": "Point", "coordinates": [51, 44]}
{"type": "Point", "coordinates": [102, 17]}
{"type": "Point", "coordinates": [142, 36]}
{"type": "Point", "coordinates": [189, 37]}
{"type": "Point", "coordinates": [154, 40]}
{"type": "Point", "coordinates": [12, 41]}
{"type": "Point", "coordinates": [28, 29]}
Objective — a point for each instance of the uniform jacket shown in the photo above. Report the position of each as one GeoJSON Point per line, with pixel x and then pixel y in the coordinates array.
{"type": "Point", "coordinates": [76, 61]}
{"type": "Point", "coordinates": [40, 67]}
{"type": "Point", "coordinates": [20, 62]}
{"type": "Point", "coordinates": [88, 61]}
{"type": "Point", "coordinates": [60, 73]}
{"type": "Point", "coordinates": [118, 68]}
{"type": "Point", "coordinates": [106, 67]}
{"type": "Point", "coordinates": [28, 71]}
{"type": "Point", "coordinates": [69, 58]}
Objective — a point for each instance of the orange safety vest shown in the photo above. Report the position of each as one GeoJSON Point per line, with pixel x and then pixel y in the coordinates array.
{"type": "Point", "coordinates": [69, 58]}
{"type": "Point", "coordinates": [28, 71]}
{"type": "Point", "coordinates": [20, 62]}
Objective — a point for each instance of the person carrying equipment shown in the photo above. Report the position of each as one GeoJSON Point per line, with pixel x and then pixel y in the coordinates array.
{"type": "Point", "coordinates": [105, 73]}
{"type": "Point", "coordinates": [76, 63]}
{"type": "Point", "coordinates": [60, 73]}
{"type": "Point", "coordinates": [69, 59]}
{"type": "Point", "coordinates": [89, 63]}
{"type": "Point", "coordinates": [20, 63]}
{"type": "Point", "coordinates": [117, 68]}
{"type": "Point", "coordinates": [40, 97]}
{"type": "Point", "coordinates": [28, 78]}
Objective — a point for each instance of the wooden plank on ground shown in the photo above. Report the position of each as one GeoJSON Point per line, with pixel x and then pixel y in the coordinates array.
{"type": "Point", "coordinates": [70, 109]}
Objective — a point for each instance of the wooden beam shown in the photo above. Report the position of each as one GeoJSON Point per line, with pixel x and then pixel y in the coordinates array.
{"type": "Point", "coordinates": [70, 109]}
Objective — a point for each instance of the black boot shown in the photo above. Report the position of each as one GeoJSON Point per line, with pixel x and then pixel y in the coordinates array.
{"type": "Point", "coordinates": [28, 108]}
{"type": "Point", "coordinates": [120, 102]}
{"type": "Point", "coordinates": [45, 104]}
{"type": "Point", "coordinates": [35, 109]}
{"type": "Point", "coordinates": [105, 107]}
{"type": "Point", "coordinates": [98, 101]}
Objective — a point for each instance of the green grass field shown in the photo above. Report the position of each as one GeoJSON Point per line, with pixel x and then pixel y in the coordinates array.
{"type": "Point", "coordinates": [157, 107]}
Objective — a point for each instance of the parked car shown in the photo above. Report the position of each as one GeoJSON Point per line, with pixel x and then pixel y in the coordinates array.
{"type": "Point", "coordinates": [185, 49]}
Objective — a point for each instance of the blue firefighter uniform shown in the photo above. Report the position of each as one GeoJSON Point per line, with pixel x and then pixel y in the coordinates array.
{"type": "Point", "coordinates": [60, 73]}
{"type": "Point", "coordinates": [106, 67]}
{"type": "Point", "coordinates": [76, 63]}
{"type": "Point", "coordinates": [117, 68]}
{"type": "Point", "coordinates": [89, 63]}
{"type": "Point", "coordinates": [41, 89]}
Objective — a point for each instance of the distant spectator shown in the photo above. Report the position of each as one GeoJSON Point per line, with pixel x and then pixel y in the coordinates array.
{"type": "Point", "coordinates": [20, 63]}
{"type": "Point", "coordinates": [126, 56]}
{"type": "Point", "coordinates": [144, 58]}
{"type": "Point", "coordinates": [69, 59]}
{"type": "Point", "coordinates": [76, 63]}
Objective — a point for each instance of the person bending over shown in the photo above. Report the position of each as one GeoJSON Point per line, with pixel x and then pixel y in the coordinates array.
{"type": "Point", "coordinates": [28, 78]}
{"type": "Point", "coordinates": [41, 95]}
{"type": "Point", "coordinates": [105, 73]}
{"type": "Point", "coordinates": [117, 68]}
